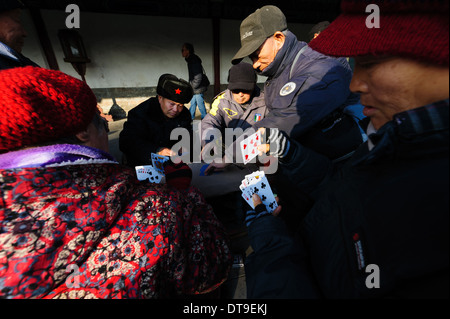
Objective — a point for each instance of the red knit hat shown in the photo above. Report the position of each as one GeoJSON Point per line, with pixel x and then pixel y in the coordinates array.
{"type": "Point", "coordinates": [39, 106]}
{"type": "Point", "coordinates": [409, 28]}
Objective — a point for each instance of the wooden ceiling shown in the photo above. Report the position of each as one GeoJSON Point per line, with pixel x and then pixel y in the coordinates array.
{"type": "Point", "coordinates": [297, 11]}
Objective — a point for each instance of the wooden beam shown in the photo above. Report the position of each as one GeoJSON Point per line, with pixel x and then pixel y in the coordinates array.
{"type": "Point", "coordinates": [216, 54]}
{"type": "Point", "coordinates": [44, 39]}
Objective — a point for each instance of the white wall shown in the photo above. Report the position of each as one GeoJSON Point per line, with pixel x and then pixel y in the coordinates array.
{"type": "Point", "coordinates": [129, 51]}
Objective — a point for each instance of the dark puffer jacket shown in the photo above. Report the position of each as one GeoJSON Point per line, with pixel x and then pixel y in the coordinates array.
{"type": "Point", "coordinates": [388, 207]}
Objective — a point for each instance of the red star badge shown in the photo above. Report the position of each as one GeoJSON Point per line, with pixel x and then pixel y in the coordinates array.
{"type": "Point", "coordinates": [178, 91]}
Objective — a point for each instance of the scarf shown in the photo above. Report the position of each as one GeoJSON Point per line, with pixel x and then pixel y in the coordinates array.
{"type": "Point", "coordinates": [55, 155]}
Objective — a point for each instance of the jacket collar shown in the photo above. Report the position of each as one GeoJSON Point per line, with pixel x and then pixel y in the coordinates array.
{"type": "Point", "coordinates": [284, 57]}
{"type": "Point", "coordinates": [423, 122]}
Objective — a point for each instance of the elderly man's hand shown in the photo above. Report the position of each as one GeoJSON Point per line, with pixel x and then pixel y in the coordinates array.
{"type": "Point", "coordinates": [166, 152]}
{"type": "Point", "coordinates": [260, 210]}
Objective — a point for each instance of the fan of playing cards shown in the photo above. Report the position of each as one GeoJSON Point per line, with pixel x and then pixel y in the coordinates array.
{"type": "Point", "coordinates": [155, 173]}
{"type": "Point", "coordinates": [256, 183]}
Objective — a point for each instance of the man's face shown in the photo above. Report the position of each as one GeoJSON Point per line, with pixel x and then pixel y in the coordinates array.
{"type": "Point", "coordinates": [184, 52]}
{"type": "Point", "coordinates": [391, 85]}
{"type": "Point", "coordinates": [267, 52]}
{"type": "Point", "coordinates": [12, 32]}
{"type": "Point", "coordinates": [242, 96]}
{"type": "Point", "coordinates": [170, 108]}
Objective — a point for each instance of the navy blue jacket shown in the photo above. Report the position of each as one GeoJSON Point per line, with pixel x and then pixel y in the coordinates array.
{"type": "Point", "coordinates": [387, 207]}
{"type": "Point", "coordinates": [304, 89]}
{"type": "Point", "coordinates": [11, 59]}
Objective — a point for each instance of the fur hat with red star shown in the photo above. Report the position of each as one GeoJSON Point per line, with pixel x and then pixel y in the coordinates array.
{"type": "Point", "coordinates": [174, 89]}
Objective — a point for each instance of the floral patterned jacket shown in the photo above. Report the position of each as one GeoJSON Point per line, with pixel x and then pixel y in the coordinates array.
{"type": "Point", "coordinates": [93, 230]}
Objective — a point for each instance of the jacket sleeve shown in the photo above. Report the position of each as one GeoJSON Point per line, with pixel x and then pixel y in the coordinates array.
{"type": "Point", "coordinates": [135, 140]}
{"type": "Point", "coordinates": [277, 267]}
{"type": "Point", "coordinates": [213, 120]}
{"type": "Point", "coordinates": [307, 169]}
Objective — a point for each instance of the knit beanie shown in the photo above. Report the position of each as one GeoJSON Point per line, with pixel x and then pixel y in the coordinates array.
{"type": "Point", "coordinates": [407, 28]}
{"type": "Point", "coordinates": [178, 175]}
{"type": "Point", "coordinates": [319, 27]}
{"type": "Point", "coordinates": [242, 76]}
{"type": "Point", "coordinates": [39, 106]}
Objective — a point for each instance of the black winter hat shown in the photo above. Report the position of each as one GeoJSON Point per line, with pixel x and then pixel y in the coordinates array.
{"type": "Point", "coordinates": [174, 89]}
{"type": "Point", "coordinates": [242, 76]}
{"type": "Point", "coordinates": [319, 27]}
{"type": "Point", "coordinates": [7, 5]}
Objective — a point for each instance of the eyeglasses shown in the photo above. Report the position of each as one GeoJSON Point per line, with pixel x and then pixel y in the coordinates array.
{"type": "Point", "coordinates": [237, 91]}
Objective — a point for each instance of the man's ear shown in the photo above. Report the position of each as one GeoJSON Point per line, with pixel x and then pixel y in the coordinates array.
{"type": "Point", "coordinates": [84, 136]}
{"type": "Point", "coordinates": [279, 38]}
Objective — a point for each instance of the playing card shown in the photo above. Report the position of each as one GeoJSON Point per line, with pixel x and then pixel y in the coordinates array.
{"type": "Point", "coordinates": [249, 147]}
{"type": "Point", "coordinates": [258, 184]}
{"type": "Point", "coordinates": [158, 162]}
{"type": "Point", "coordinates": [150, 173]}
{"type": "Point", "coordinates": [254, 178]}
{"type": "Point", "coordinates": [247, 196]}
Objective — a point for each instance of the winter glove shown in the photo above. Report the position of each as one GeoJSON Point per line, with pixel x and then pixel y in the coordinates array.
{"type": "Point", "coordinates": [280, 144]}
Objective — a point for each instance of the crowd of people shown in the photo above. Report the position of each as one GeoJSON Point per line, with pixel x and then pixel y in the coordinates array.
{"type": "Point", "coordinates": [362, 181]}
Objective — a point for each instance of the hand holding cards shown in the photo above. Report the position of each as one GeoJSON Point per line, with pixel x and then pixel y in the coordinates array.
{"type": "Point", "coordinates": [158, 162]}
{"type": "Point", "coordinates": [155, 173]}
{"type": "Point", "coordinates": [148, 172]}
{"type": "Point", "coordinates": [257, 183]}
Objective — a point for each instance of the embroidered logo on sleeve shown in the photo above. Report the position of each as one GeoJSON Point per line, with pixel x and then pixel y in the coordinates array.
{"type": "Point", "coordinates": [288, 89]}
{"type": "Point", "coordinates": [230, 113]}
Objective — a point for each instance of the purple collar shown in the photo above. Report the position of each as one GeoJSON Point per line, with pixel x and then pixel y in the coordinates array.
{"type": "Point", "coordinates": [54, 155]}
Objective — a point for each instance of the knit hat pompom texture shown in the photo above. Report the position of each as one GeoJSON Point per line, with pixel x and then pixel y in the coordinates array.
{"type": "Point", "coordinates": [417, 29]}
{"type": "Point", "coordinates": [39, 105]}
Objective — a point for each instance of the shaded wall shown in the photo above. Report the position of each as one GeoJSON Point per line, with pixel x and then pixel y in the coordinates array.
{"type": "Point", "coordinates": [130, 52]}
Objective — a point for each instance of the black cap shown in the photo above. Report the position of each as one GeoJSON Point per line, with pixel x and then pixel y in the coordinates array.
{"type": "Point", "coordinates": [242, 76]}
{"type": "Point", "coordinates": [319, 27]}
{"type": "Point", "coordinates": [7, 5]}
{"type": "Point", "coordinates": [257, 27]}
{"type": "Point", "coordinates": [174, 89]}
